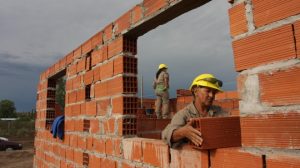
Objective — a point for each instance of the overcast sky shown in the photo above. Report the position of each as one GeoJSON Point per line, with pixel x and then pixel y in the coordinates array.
{"type": "Point", "coordinates": [34, 34]}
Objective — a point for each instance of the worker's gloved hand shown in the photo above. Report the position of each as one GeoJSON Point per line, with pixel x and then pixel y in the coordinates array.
{"type": "Point", "coordinates": [192, 134]}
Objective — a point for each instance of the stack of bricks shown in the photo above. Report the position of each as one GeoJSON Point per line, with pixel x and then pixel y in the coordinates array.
{"type": "Point", "coordinates": [101, 100]}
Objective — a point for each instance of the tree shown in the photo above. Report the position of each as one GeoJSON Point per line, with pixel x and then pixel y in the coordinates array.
{"type": "Point", "coordinates": [7, 109]}
{"type": "Point", "coordinates": [60, 92]}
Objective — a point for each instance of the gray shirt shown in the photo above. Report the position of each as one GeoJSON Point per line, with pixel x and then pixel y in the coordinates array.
{"type": "Point", "coordinates": [180, 119]}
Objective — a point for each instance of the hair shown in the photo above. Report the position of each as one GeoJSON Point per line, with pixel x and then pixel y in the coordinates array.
{"type": "Point", "coordinates": [193, 88]}
{"type": "Point", "coordinates": [159, 71]}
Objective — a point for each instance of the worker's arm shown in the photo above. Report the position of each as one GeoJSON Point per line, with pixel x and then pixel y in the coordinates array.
{"type": "Point", "coordinates": [189, 132]}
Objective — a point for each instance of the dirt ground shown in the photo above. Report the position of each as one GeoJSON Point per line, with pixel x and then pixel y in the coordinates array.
{"type": "Point", "coordinates": [18, 158]}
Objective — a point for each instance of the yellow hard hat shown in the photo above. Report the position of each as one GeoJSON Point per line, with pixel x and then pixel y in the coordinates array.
{"type": "Point", "coordinates": [161, 66]}
{"type": "Point", "coordinates": [207, 80]}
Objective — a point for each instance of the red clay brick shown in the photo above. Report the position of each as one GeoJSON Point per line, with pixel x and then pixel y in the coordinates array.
{"type": "Point", "coordinates": [237, 18]}
{"type": "Point", "coordinates": [80, 65]}
{"type": "Point", "coordinates": [156, 153]}
{"type": "Point", "coordinates": [107, 70]}
{"type": "Point", "coordinates": [101, 89]}
{"type": "Point", "coordinates": [122, 84]}
{"type": "Point", "coordinates": [124, 105]}
{"type": "Point", "coordinates": [96, 57]}
{"type": "Point", "coordinates": [77, 52]}
{"type": "Point", "coordinates": [90, 143]}
{"type": "Point", "coordinates": [122, 23]}
{"type": "Point", "coordinates": [95, 126]}
{"type": "Point", "coordinates": [67, 139]}
{"type": "Point", "coordinates": [94, 161]}
{"type": "Point", "coordinates": [152, 6]}
{"type": "Point", "coordinates": [219, 132]}
{"type": "Point", "coordinates": [69, 85]}
{"type": "Point", "coordinates": [137, 14]}
{"type": "Point", "coordinates": [104, 52]}
{"type": "Point", "coordinates": [99, 145]}
{"type": "Point", "coordinates": [241, 79]}
{"type": "Point", "coordinates": [227, 95]}
{"type": "Point", "coordinates": [86, 47]}
{"type": "Point", "coordinates": [160, 124]}
{"type": "Point", "coordinates": [271, 130]}
{"type": "Point", "coordinates": [234, 158]}
{"type": "Point", "coordinates": [118, 147]}
{"type": "Point", "coordinates": [63, 164]}
{"type": "Point", "coordinates": [108, 163]}
{"type": "Point", "coordinates": [82, 109]}
{"type": "Point", "coordinates": [189, 157]}
{"type": "Point", "coordinates": [132, 149]}
{"type": "Point", "coordinates": [81, 140]}
{"type": "Point", "coordinates": [78, 125]}
{"type": "Point", "coordinates": [266, 47]}
{"type": "Point", "coordinates": [73, 141]}
{"type": "Point", "coordinates": [88, 77]}
{"type": "Point", "coordinates": [146, 125]}
{"type": "Point", "coordinates": [280, 160]}
{"type": "Point", "coordinates": [71, 70]}
{"type": "Point", "coordinates": [115, 47]}
{"type": "Point", "coordinates": [69, 58]}
{"type": "Point", "coordinates": [235, 112]}
{"type": "Point", "coordinates": [78, 157]}
{"type": "Point", "coordinates": [96, 75]}
{"type": "Point", "coordinates": [71, 97]}
{"type": "Point", "coordinates": [125, 64]}
{"type": "Point", "coordinates": [102, 106]}
{"type": "Point", "coordinates": [109, 126]}
{"type": "Point", "coordinates": [62, 152]}
{"type": "Point", "coordinates": [276, 88]}
{"type": "Point", "coordinates": [115, 86]}
{"type": "Point", "coordinates": [269, 11]}
{"type": "Point", "coordinates": [91, 108]}
{"type": "Point", "coordinates": [69, 153]}
{"type": "Point", "coordinates": [80, 95]}
{"type": "Point", "coordinates": [107, 33]}
{"type": "Point", "coordinates": [297, 36]}
{"type": "Point", "coordinates": [77, 82]}
{"type": "Point", "coordinates": [75, 110]}
{"type": "Point", "coordinates": [126, 165]}
{"type": "Point", "coordinates": [97, 39]}
{"type": "Point", "coordinates": [109, 146]}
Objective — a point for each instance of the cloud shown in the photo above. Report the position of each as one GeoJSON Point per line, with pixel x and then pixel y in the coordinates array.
{"type": "Point", "coordinates": [37, 33]}
{"type": "Point", "coordinates": [194, 43]}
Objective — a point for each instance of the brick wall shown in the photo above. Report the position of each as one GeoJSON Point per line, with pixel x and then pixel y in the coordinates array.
{"type": "Point", "coordinates": [101, 101]}
{"type": "Point", "coordinates": [266, 57]}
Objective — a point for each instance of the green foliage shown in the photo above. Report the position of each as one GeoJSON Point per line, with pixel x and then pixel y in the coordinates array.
{"type": "Point", "coordinates": [60, 92]}
{"type": "Point", "coordinates": [26, 116]}
{"type": "Point", "coordinates": [17, 128]}
{"type": "Point", "coordinates": [7, 109]}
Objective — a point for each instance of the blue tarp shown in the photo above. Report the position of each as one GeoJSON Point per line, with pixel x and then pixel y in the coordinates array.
{"type": "Point", "coordinates": [57, 128]}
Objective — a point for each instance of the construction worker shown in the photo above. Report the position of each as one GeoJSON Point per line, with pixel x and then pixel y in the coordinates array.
{"type": "Point", "coordinates": [204, 88]}
{"type": "Point", "coordinates": [161, 86]}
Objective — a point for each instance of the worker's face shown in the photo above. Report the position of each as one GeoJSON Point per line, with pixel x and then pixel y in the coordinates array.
{"type": "Point", "coordinates": [205, 95]}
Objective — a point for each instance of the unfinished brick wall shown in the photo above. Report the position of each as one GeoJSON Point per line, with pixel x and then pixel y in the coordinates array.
{"type": "Point", "coordinates": [265, 39]}
{"type": "Point", "coordinates": [101, 100]}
